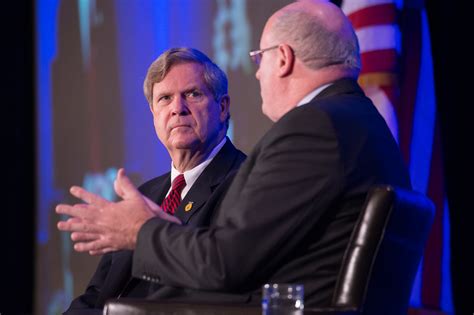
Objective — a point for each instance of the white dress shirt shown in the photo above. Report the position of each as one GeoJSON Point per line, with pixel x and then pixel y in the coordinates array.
{"type": "Point", "coordinates": [192, 175]}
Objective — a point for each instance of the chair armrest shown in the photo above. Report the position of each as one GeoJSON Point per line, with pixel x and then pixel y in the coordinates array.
{"type": "Point", "coordinates": [128, 306]}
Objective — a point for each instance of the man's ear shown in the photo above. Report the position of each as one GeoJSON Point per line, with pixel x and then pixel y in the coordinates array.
{"type": "Point", "coordinates": [286, 60]}
{"type": "Point", "coordinates": [224, 107]}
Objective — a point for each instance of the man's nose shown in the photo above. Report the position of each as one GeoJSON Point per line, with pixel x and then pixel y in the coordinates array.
{"type": "Point", "coordinates": [257, 74]}
{"type": "Point", "coordinates": [179, 106]}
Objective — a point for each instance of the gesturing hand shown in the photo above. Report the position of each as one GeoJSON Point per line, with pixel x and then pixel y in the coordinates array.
{"type": "Point", "coordinates": [101, 226]}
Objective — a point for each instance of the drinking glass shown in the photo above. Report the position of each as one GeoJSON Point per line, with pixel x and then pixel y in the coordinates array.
{"type": "Point", "coordinates": [279, 299]}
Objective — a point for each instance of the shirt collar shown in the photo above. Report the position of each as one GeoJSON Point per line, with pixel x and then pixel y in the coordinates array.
{"type": "Point", "coordinates": [192, 175]}
{"type": "Point", "coordinates": [312, 94]}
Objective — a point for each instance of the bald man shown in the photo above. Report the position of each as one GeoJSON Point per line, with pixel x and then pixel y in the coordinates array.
{"type": "Point", "coordinates": [289, 213]}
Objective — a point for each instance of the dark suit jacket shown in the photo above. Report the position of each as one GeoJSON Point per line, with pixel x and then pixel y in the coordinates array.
{"type": "Point", "coordinates": [113, 275]}
{"type": "Point", "coordinates": [290, 210]}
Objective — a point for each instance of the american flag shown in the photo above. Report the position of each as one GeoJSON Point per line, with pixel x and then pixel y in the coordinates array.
{"type": "Point", "coordinates": [397, 75]}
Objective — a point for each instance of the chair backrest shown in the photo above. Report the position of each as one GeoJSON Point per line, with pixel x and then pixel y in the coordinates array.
{"type": "Point", "coordinates": [384, 252]}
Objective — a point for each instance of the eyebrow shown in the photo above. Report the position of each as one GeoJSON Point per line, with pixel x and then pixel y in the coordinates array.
{"type": "Point", "coordinates": [193, 88]}
{"type": "Point", "coordinates": [186, 90]}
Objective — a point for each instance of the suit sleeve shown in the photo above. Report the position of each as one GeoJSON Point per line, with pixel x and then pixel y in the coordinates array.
{"type": "Point", "coordinates": [277, 198]}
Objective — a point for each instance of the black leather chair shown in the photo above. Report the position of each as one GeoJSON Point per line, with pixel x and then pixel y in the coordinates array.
{"type": "Point", "coordinates": [378, 268]}
{"type": "Point", "coordinates": [384, 252]}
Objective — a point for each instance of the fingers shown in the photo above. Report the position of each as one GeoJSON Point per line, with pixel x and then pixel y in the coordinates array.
{"type": "Point", "coordinates": [88, 197]}
{"type": "Point", "coordinates": [74, 220]}
{"type": "Point", "coordinates": [118, 189]}
{"type": "Point", "coordinates": [81, 226]}
{"type": "Point", "coordinates": [97, 247]}
{"type": "Point", "coordinates": [124, 186]}
{"type": "Point", "coordinates": [156, 209]}
{"type": "Point", "coordinates": [168, 217]}
{"type": "Point", "coordinates": [153, 206]}
{"type": "Point", "coordinates": [84, 237]}
{"type": "Point", "coordinates": [80, 211]}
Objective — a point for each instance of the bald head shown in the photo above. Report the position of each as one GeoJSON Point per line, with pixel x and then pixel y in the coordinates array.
{"type": "Point", "coordinates": [305, 45]}
{"type": "Point", "coordinates": [325, 11]}
{"type": "Point", "coordinates": [319, 33]}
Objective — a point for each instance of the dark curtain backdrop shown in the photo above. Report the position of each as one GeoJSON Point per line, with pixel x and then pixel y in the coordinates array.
{"type": "Point", "coordinates": [451, 27]}
{"type": "Point", "coordinates": [451, 38]}
{"type": "Point", "coordinates": [18, 158]}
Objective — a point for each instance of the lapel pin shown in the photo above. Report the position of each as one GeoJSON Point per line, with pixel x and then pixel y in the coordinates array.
{"type": "Point", "coordinates": [188, 206]}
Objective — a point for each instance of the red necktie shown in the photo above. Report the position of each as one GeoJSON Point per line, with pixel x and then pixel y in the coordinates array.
{"type": "Point", "coordinates": [173, 199]}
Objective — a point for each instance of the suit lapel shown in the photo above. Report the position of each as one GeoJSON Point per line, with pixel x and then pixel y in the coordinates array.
{"type": "Point", "coordinates": [193, 201]}
{"type": "Point", "coordinates": [210, 178]}
{"type": "Point", "coordinates": [158, 193]}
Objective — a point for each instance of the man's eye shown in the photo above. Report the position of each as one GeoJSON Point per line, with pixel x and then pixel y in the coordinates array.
{"type": "Point", "coordinates": [164, 98]}
{"type": "Point", "coordinates": [193, 94]}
